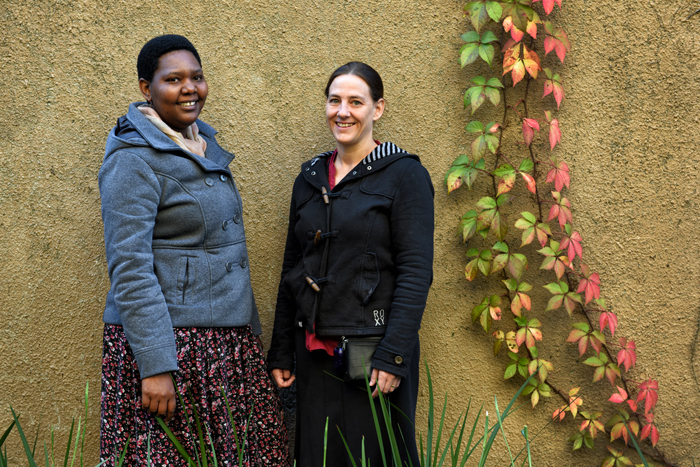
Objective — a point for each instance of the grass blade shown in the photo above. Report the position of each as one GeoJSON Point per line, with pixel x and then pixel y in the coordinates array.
{"type": "Point", "coordinates": [120, 462]}
{"type": "Point", "coordinates": [200, 434]}
{"type": "Point", "coordinates": [30, 458]}
{"type": "Point", "coordinates": [527, 445]}
{"type": "Point", "coordinates": [634, 441]}
{"type": "Point", "coordinates": [187, 418]}
{"type": "Point", "coordinates": [241, 454]}
{"type": "Point", "coordinates": [211, 444]}
{"type": "Point", "coordinates": [173, 439]}
{"type": "Point", "coordinates": [386, 412]}
{"type": "Point", "coordinates": [376, 420]}
{"type": "Point", "coordinates": [70, 440]}
{"type": "Point", "coordinates": [431, 419]}
{"type": "Point", "coordinates": [36, 438]}
{"type": "Point", "coordinates": [439, 435]}
{"type": "Point", "coordinates": [347, 448]}
{"type": "Point", "coordinates": [77, 439]}
{"type": "Point", "coordinates": [503, 432]}
{"type": "Point", "coordinates": [148, 450]}
{"type": "Point", "coordinates": [494, 432]}
{"type": "Point", "coordinates": [82, 443]}
{"type": "Point", "coordinates": [7, 433]}
{"type": "Point", "coordinates": [325, 442]}
{"type": "Point", "coordinates": [467, 451]}
{"type": "Point", "coordinates": [239, 447]}
{"type": "Point", "coordinates": [46, 455]}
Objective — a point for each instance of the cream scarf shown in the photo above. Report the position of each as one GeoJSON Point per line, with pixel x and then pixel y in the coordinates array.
{"type": "Point", "coordinates": [193, 143]}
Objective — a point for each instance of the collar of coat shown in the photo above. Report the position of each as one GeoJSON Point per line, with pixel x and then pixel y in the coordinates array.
{"type": "Point", "coordinates": [315, 171]}
{"type": "Point", "coordinates": [135, 130]}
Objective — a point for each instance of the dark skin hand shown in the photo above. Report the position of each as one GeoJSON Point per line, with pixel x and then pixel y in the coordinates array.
{"type": "Point", "coordinates": [158, 395]}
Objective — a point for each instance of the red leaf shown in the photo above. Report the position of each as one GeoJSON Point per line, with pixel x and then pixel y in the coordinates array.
{"type": "Point", "coordinates": [627, 354]}
{"type": "Point", "coordinates": [559, 174]}
{"type": "Point", "coordinates": [515, 33]}
{"type": "Point", "coordinates": [650, 430]}
{"type": "Point", "coordinates": [632, 404]}
{"type": "Point", "coordinates": [608, 318]}
{"type": "Point", "coordinates": [591, 285]}
{"type": "Point", "coordinates": [649, 392]}
{"type": "Point", "coordinates": [517, 64]}
{"type": "Point", "coordinates": [554, 133]}
{"type": "Point", "coordinates": [549, 5]}
{"type": "Point", "coordinates": [573, 246]}
{"type": "Point", "coordinates": [529, 127]}
{"type": "Point", "coordinates": [654, 435]}
{"type": "Point", "coordinates": [530, 181]}
{"type": "Point", "coordinates": [557, 40]}
{"type": "Point", "coordinates": [552, 84]}
{"type": "Point", "coordinates": [620, 397]}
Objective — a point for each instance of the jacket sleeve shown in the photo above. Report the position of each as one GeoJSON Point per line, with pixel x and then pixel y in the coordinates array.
{"type": "Point", "coordinates": [130, 195]}
{"type": "Point", "coordinates": [281, 354]}
{"type": "Point", "coordinates": [412, 226]}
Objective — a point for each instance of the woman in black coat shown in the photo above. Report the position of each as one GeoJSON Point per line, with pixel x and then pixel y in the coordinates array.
{"type": "Point", "coordinates": [357, 263]}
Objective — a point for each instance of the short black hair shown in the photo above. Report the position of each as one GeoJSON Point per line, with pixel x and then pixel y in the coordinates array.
{"type": "Point", "coordinates": [150, 54]}
{"type": "Point", "coordinates": [368, 74]}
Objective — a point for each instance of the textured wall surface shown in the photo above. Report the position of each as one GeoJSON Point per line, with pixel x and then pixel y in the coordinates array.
{"type": "Point", "coordinates": [630, 135]}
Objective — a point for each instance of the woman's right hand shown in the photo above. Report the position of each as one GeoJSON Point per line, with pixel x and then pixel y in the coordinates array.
{"type": "Point", "coordinates": [158, 395]}
{"type": "Point", "coordinates": [283, 378]}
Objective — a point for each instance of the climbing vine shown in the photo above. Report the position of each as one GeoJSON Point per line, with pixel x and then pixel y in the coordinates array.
{"type": "Point", "coordinates": [518, 55]}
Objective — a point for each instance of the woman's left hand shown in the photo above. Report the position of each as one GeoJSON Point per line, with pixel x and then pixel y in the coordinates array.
{"type": "Point", "coordinates": [385, 382]}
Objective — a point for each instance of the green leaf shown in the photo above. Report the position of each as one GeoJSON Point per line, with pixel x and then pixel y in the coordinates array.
{"type": "Point", "coordinates": [503, 170]}
{"type": "Point", "coordinates": [554, 287]}
{"type": "Point", "coordinates": [472, 36]}
{"type": "Point", "coordinates": [511, 369]}
{"type": "Point", "coordinates": [486, 52]}
{"type": "Point", "coordinates": [525, 166]}
{"type": "Point", "coordinates": [475, 127]}
{"type": "Point", "coordinates": [468, 225]}
{"type": "Point", "coordinates": [469, 53]}
{"type": "Point", "coordinates": [494, 83]}
{"type": "Point", "coordinates": [494, 11]}
{"type": "Point", "coordinates": [481, 12]}
{"type": "Point", "coordinates": [500, 246]}
{"type": "Point", "coordinates": [488, 36]}
{"type": "Point", "coordinates": [486, 203]}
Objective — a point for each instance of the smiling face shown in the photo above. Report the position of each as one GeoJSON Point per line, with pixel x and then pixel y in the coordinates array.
{"type": "Point", "coordinates": [351, 112]}
{"type": "Point", "coordinates": [178, 89]}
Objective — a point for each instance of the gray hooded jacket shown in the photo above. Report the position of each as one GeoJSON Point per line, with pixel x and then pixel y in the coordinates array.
{"type": "Point", "coordinates": [174, 240]}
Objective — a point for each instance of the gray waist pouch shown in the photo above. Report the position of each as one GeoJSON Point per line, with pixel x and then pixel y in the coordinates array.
{"type": "Point", "coordinates": [357, 353]}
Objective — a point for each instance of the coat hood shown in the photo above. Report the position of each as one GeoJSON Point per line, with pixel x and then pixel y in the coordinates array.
{"type": "Point", "coordinates": [135, 130]}
{"type": "Point", "coordinates": [382, 156]}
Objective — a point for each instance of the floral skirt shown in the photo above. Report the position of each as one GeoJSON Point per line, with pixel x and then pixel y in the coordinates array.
{"type": "Point", "coordinates": [212, 362]}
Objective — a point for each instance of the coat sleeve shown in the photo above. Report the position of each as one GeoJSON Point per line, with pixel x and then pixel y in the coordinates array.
{"type": "Point", "coordinates": [412, 226]}
{"type": "Point", "coordinates": [130, 195]}
{"type": "Point", "coordinates": [281, 354]}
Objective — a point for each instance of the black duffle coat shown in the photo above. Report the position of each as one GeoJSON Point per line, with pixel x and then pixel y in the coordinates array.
{"type": "Point", "coordinates": [358, 259]}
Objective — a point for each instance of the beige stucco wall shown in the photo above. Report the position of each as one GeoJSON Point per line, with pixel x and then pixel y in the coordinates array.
{"type": "Point", "coordinates": [630, 136]}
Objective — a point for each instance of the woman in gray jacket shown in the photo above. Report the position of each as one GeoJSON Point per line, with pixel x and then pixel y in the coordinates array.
{"type": "Point", "coordinates": [180, 308]}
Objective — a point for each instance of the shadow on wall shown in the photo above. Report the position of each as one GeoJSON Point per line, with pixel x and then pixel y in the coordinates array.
{"type": "Point", "coordinates": [695, 358]}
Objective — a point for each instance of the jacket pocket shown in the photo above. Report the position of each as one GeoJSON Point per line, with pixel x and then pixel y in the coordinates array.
{"type": "Point", "coordinates": [369, 279]}
{"type": "Point", "coordinates": [185, 279]}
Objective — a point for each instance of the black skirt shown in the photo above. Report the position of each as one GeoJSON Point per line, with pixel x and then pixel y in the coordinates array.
{"type": "Point", "coordinates": [321, 394]}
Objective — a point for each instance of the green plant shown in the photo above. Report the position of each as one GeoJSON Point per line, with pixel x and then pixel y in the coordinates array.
{"type": "Point", "coordinates": [201, 456]}
{"type": "Point", "coordinates": [494, 251]}
{"type": "Point", "coordinates": [76, 444]}
{"type": "Point", "coordinates": [430, 453]}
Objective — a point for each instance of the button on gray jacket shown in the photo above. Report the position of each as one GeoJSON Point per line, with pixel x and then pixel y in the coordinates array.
{"type": "Point", "coordinates": [174, 240]}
